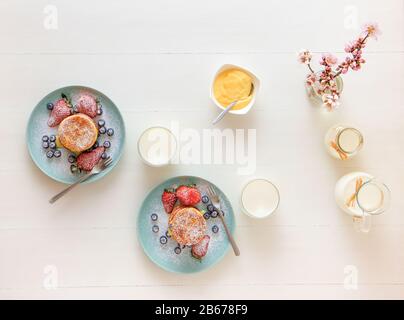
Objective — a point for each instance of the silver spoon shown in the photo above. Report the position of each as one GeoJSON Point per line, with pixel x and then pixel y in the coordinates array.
{"type": "Point", "coordinates": [231, 106]}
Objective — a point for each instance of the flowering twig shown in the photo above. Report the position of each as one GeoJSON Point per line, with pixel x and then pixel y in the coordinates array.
{"type": "Point", "coordinates": [324, 82]}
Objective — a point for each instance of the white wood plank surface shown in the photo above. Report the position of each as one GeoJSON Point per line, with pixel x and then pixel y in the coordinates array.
{"type": "Point", "coordinates": [155, 59]}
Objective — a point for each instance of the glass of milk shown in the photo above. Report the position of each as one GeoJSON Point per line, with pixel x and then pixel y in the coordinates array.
{"type": "Point", "coordinates": [157, 146]}
{"type": "Point", "coordinates": [260, 198]}
{"type": "Point", "coordinates": [362, 196]}
{"type": "Point", "coordinates": [343, 142]}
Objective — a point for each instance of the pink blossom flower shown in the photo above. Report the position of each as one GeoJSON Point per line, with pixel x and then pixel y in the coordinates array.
{"type": "Point", "coordinates": [372, 30]}
{"type": "Point", "coordinates": [324, 82]}
{"type": "Point", "coordinates": [350, 47]}
{"type": "Point", "coordinates": [331, 101]}
{"type": "Point", "coordinates": [329, 59]}
{"type": "Point", "coordinates": [344, 67]}
{"type": "Point", "coordinates": [305, 56]}
{"type": "Point", "coordinates": [311, 79]}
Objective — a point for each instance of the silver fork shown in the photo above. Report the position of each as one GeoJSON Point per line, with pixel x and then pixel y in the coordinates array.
{"type": "Point", "coordinates": [216, 203]}
{"type": "Point", "coordinates": [102, 165]}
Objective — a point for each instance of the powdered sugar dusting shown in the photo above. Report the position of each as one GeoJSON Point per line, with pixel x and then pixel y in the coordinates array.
{"type": "Point", "coordinates": [59, 169]}
{"type": "Point", "coordinates": [187, 226]}
{"type": "Point", "coordinates": [79, 128]}
{"type": "Point", "coordinates": [164, 255]}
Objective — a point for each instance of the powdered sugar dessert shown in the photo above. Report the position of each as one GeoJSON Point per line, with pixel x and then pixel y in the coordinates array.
{"type": "Point", "coordinates": [187, 222]}
{"type": "Point", "coordinates": [187, 225]}
{"type": "Point", "coordinates": [159, 242]}
{"type": "Point", "coordinates": [78, 131]}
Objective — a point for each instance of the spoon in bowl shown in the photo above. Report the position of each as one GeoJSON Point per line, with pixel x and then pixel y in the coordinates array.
{"type": "Point", "coordinates": [231, 106]}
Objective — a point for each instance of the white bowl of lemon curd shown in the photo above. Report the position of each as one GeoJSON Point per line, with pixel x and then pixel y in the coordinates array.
{"type": "Point", "coordinates": [233, 83]}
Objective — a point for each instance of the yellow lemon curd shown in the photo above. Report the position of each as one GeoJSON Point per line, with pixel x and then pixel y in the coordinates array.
{"type": "Point", "coordinates": [231, 85]}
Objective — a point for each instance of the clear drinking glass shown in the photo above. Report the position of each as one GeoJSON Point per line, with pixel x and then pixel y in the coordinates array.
{"type": "Point", "coordinates": [260, 198]}
{"type": "Point", "coordinates": [315, 96]}
{"type": "Point", "coordinates": [343, 142]}
{"type": "Point", "coordinates": [157, 146]}
{"type": "Point", "coordinates": [362, 196]}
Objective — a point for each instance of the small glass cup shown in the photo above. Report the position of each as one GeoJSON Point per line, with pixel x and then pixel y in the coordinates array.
{"type": "Point", "coordinates": [362, 196]}
{"type": "Point", "coordinates": [315, 96]}
{"type": "Point", "coordinates": [260, 198]}
{"type": "Point", "coordinates": [343, 142]}
{"type": "Point", "coordinates": [157, 146]}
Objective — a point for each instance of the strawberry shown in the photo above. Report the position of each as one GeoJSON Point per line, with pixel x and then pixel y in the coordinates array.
{"type": "Point", "coordinates": [188, 195]}
{"type": "Point", "coordinates": [200, 249]}
{"type": "Point", "coordinates": [88, 160]}
{"type": "Point", "coordinates": [60, 111]}
{"type": "Point", "coordinates": [168, 198]}
{"type": "Point", "coordinates": [88, 105]}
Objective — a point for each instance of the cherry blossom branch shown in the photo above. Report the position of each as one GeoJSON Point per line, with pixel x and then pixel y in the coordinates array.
{"type": "Point", "coordinates": [323, 82]}
{"type": "Point", "coordinates": [310, 68]}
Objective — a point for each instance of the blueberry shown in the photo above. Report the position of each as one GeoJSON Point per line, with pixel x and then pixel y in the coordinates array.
{"type": "Point", "coordinates": [50, 106]}
{"type": "Point", "coordinates": [155, 228]}
{"type": "Point", "coordinates": [49, 154]}
{"type": "Point", "coordinates": [102, 130]}
{"type": "Point", "coordinates": [57, 153]}
{"type": "Point", "coordinates": [205, 199]}
{"type": "Point", "coordinates": [110, 132]}
{"type": "Point", "coordinates": [52, 145]}
{"type": "Point", "coordinates": [45, 145]}
{"type": "Point", "coordinates": [215, 229]}
{"type": "Point", "coordinates": [45, 138]}
{"type": "Point", "coordinates": [52, 138]}
{"type": "Point", "coordinates": [210, 207]}
{"type": "Point", "coordinates": [214, 214]}
{"type": "Point", "coordinates": [99, 111]}
{"type": "Point", "coordinates": [163, 239]}
{"type": "Point", "coordinates": [107, 144]}
{"type": "Point", "coordinates": [177, 250]}
{"type": "Point", "coordinates": [101, 123]}
{"type": "Point", "coordinates": [206, 216]}
{"type": "Point", "coordinates": [74, 168]}
{"type": "Point", "coordinates": [104, 156]}
{"type": "Point", "coordinates": [72, 158]}
{"type": "Point", "coordinates": [154, 217]}
{"type": "Point", "coordinates": [168, 234]}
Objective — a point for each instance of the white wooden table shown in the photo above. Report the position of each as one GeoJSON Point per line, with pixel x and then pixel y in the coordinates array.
{"type": "Point", "coordinates": [155, 60]}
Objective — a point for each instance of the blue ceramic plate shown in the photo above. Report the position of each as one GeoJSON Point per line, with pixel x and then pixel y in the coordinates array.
{"type": "Point", "coordinates": [164, 254]}
{"type": "Point", "coordinates": [59, 169]}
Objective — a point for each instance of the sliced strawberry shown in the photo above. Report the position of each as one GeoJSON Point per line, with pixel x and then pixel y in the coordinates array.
{"type": "Point", "coordinates": [88, 160]}
{"type": "Point", "coordinates": [200, 249]}
{"type": "Point", "coordinates": [60, 111]}
{"type": "Point", "coordinates": [168, 198]}
{"type": "Point", "coordinates": [188, 195]}
{"type": "Point", "coordinates": [88, 105]}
